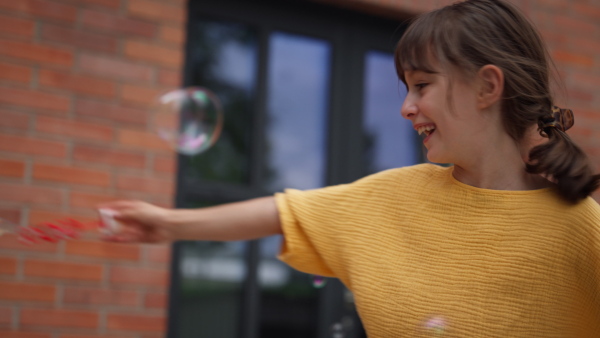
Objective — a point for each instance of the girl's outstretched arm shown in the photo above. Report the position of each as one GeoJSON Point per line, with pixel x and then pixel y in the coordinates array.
{"type": "Point", "coordinates": [141, 222]}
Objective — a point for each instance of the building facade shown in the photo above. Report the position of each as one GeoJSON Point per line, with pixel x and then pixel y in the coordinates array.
{"type": "Point", "coordinates": [78, 79]}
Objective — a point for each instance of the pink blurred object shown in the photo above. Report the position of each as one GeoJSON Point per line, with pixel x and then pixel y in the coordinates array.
{"type": "Point", "coordinates": [52, 232]}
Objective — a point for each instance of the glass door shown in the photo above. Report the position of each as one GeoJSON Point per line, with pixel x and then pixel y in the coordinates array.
{"type": "Point", "coordinates": [306, 95]}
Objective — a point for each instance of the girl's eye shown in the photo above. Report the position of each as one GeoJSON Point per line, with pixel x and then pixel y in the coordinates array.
{"type": "Point", "coordinates": [421, 85]}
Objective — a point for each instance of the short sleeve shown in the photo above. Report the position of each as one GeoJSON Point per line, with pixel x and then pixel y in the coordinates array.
{"type": "Point", "coordinates": [324, 229]}
{"type": "Point", "coordinates": [299, 249]}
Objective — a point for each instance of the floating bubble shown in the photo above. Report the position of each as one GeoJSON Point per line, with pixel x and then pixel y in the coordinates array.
{"type": "Point", "coordinates": [318, 281]}
{"type": "Point", "coordinates": [436, 325]}
{"type": "Point", "coordinates": [190, 120]}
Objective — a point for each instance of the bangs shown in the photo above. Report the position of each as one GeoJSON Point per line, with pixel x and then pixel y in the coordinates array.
{"type": "Point", "coordinates": [425, 44]}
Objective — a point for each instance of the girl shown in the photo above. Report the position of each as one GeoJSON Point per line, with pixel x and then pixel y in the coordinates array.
{"type": "Point", "coordinates": [504, 243]}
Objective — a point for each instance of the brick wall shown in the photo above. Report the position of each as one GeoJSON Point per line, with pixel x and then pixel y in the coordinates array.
{"type": "Point", "coordinates": [76, 80]}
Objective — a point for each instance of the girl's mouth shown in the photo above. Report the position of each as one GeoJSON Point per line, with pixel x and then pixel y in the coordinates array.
{"type": "Point", "coordinates": [428, 135]}
{"type": "Point", "coordinates": [428, 130]}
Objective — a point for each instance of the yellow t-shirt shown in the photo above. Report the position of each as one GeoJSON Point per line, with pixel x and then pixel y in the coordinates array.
{"type": "Point", "coordinates": [428, 256]}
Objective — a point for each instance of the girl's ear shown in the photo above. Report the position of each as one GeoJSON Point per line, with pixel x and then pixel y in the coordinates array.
{"type": "Point", "coordinates": [491, 86]}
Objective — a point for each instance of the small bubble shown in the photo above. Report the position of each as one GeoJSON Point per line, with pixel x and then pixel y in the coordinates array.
{"type": "Point", "coordinates": [436, 325]}
{"type": "Point", "coordinates": [318, 281]}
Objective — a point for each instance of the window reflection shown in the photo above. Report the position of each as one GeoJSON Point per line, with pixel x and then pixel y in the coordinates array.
{"type": "Point", "coordinates": [297, 110]}
{"type": "Point", "coordinates": [298, 87]}
{"type": "Point", "coordinates": [222, 56]}
{"type": "Point", "coordinates": [389, 138]}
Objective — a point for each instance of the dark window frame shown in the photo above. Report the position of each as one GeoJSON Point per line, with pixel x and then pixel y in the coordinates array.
{"type": "Point", "coordinates": [351, 34]}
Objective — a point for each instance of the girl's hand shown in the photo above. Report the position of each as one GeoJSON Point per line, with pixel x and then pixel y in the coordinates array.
{"type": "Point", "coordinates": [139, 222]}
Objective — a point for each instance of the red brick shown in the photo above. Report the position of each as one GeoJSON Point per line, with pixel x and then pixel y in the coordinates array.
{"type": "Point", "coordinates": [170, 57]}
{"type": "Point", "coordinates": [29, 194]}
{"type": "Point", "coordinates": [114, 68]}
{"type": "Point", "coordinates": [113, 4]}
{"type": "Point", "coordinates": [120, 335]}
{"type": "Point", "coordinates": [13, 120]}
{"type": "Point", "coordinates": [103, 250]}
{"type": "Point", "coordinates": [119, 158]}
{"type": "Point", "coordinates": [584, 45]}
{"type": "Point", "coordinates": [23, 334]}
{"type": "Point", "coordinates": [142, 139]}
{"type": "Point", "coordinates": [136, 322]}
{"type": "Point", "coordinates": [6, 315]}
{"type": "Point", "coordinates": [10, 214]}
{"type": "Point", "coordinates": [592, 11]}
{"type": "Point", "coordinates": [10, 241]}
{"type": "Point", "coordinates": [580, 94]}
{"type": "Point", "coordinates": [15, 73]}
{"type": "Point", "coordinates": [158, 253]}
{"type": "Point", "coordinates": [74, 271]}
{"type": "Point", "coordinates": [146, 96]}
{"type": "Point", "coordinates": [74, 129]}
{"type": "Point", "coordinates": [35, 99]}
{"type": "Point", "coordinates": [169, 78]}
{"type": "Point", "coordinates": [111, 112]}
{"type": "Point", "coordinates": [36, 52]}
{"type": "Point", "coordinates": [113, 24]}
{"type": "Point", "coordinates": [568, 57]}
{"type": "Point", "coordinates": [89, 200]}
{"type": "Point", "coordinates": [165, 164]}
{"type": "Point", "coordinates": [143, 184]}
{"type": "Point", "coordinates": [27, 292]}
{"type": "Point", "coordinates": [78, 83]}
{"type": "Point", "coordinates": [37, 216]}
{"type": "Point", "coordinates": [93, 296]}
{"type": "Point", "coordinates": [42, 8]}
{"type": "Point", "coordinates": [17, 27]}
{"type": "Point", "coordinates": [139, 276]}
{"type": "Point", "coordinates": [12, 168]}
{"type": "Point", "coordinates": [162, 11]}
{"type": "Point", "coordinates": [8, 266]}
{"type": "Point", "coordinates": [59, 318]}
{"type": "Point", "coordinates": [585, 79]}
{"type": "Point", "coordinates": [67, 174]}
{"type": "Point", "coordinates": [156, 300]}
{"type": "Point", "coordinates": [175, 35]}
{"type": "Point", "coordinates": [31, 146]}
{"type": "Point", "coordinates": [574, 26]}
{"type": "Point", "coordinates": [82, 39]}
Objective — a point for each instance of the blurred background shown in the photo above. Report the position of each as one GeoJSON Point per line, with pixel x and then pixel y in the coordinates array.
{"type": "Point", "coordinates": [311, 99]}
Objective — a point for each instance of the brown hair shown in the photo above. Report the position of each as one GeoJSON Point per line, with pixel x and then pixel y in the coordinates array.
{"type": "Point", "coordinates": [471, 34]}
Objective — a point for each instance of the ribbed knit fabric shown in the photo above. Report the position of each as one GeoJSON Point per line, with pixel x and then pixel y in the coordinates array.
{"type": "Point", "coordinates": [428, 256]}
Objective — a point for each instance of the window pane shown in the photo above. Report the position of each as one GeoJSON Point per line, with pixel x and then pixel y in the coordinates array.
{"type": "Point", "coordinates": [298, 91]}
{"type": "Point", "coordinates": [298, 98]}
{"type": "Point", "coordinates": [211, 274]}
{"type": "Point", "coordinates": [390, 140]}
{"type": "Point", "coordinates": [222, 57]}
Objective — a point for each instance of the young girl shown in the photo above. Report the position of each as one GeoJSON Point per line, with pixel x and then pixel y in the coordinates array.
{"type": "Point", "coordinates": [505, 243]}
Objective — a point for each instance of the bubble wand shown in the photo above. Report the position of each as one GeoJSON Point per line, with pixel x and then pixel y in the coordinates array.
{"type": "Point", "coordinates": [62, 229]}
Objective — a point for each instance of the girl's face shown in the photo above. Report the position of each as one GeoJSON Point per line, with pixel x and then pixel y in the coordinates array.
{"type": "Point", "coordinates": [447, 115]}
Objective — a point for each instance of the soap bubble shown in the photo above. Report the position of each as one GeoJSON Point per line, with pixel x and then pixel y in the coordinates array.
{"type": "Point", "coordinates": [436, 325]}
{"type": "Point", "coordinates": [190, 120]}
{"type": "Point", "coordinates": [318, 281]}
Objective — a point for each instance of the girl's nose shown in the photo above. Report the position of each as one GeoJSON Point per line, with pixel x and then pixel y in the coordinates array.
{"type": "Point", "coordinates": [409, 110]}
